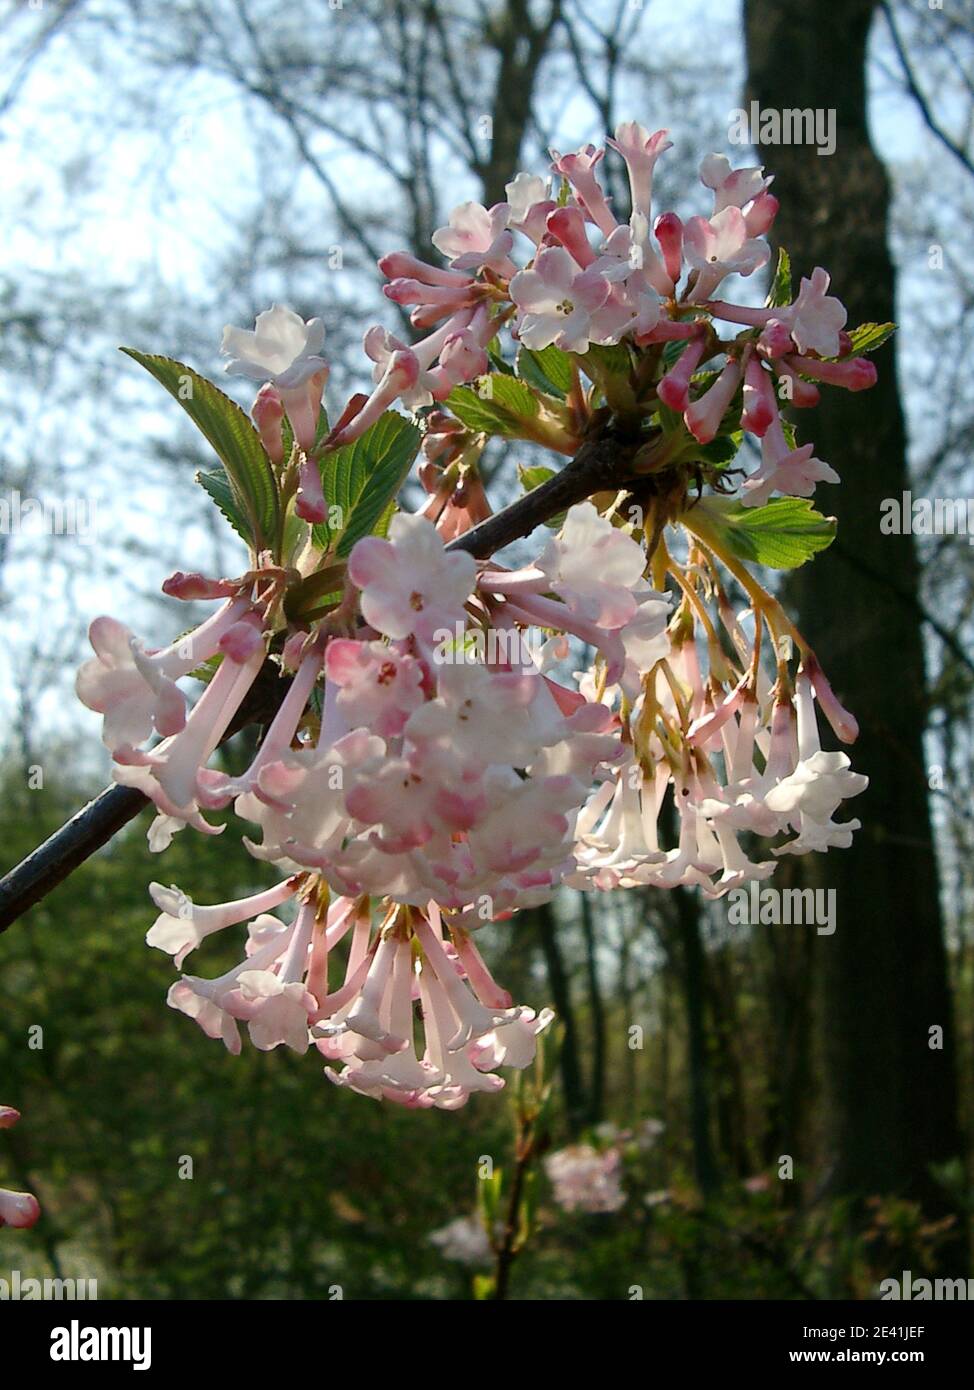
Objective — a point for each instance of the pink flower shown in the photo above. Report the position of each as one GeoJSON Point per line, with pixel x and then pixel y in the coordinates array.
{"type": "Point", "coordinates": [398, 379]}
{"type": "Point", "coordinates": [720, 247]}
{"type": "Point", "coordinates": [793, 472]}
{"type": "Point", "coordinates": [410, 585]}
{"type": "Point", "coordinates": [732, 187]}
{"type": "Point", "coordinates": [586, 1180]}
{"type": "Point", "coordinates": [816, 318]}
{"type": "Point", "coordinates": [283, 350]}
{"type": "Point", "coordinates": [640, 150]}
{"type": "Point", "coordinates": [594, 567]}
{"type": "Point", "coordinates": [379, 686]}
{"type": "Point", "coordinates": [134, 688]}
{"type": "Point", "coordinates": [476, 239]}
{"type": "Point", "coordinates": [556, 301]}
{"type": "Point", "coordinates": [579, 169]}
{"type": "Point", "coordinates": [181, 925]}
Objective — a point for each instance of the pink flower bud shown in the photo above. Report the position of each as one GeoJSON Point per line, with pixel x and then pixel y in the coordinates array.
{"type": "Point", "coordinates": [196, 586]}
{"type": "Point", "coordinates": [669, 235]}
{"type": "Point", "coordinates": [803, 393]}
{"type": "Point", "coordinates": [703, 417]}
{"type": "Point", "coordinates": [18, 1209]}
{"type": "Point", "coordinates": [267, 412]}
{"type": "Point", "coordinates": [8, 1116]}
{"type": "Point", "coordinates": [761, 214]}
{"type": "Point", "coordinates": [310, 503]}
{"type": "Point", "coordinates": [844, 723]}
{"type": "Point", "coordinates": [241, 641]}
{"type": "Point", "coordinates": [400, 265]}
{"type": "Point", "coordinates": [776, 341]}
{"type": "Point", "coordinates": [568, 225]}
{"type": "Point", "coordinates": [855, 373]}
{"type": "Point", "coordinates": [760, 408]}
{"type": "Point", "coordinates": [674, 388]}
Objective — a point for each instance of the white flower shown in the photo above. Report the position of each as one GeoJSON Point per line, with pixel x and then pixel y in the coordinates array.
{"type": "Point", "coordinates": [556, 301]}
{"type": "Point", "coordinates": [410, 585]}
{"type": "Point", "coordinates": [594, 567]}
{"type": "Point", "coordinates": [282, 348]}
{"type": "Point", "coordinates": [816, 318]}
{"type": "Point", "coordinates": [586, 1180]}
{"type": "Point", "coordinates": [463, 1240]}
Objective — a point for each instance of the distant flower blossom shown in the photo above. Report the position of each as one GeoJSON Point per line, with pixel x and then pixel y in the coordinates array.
{"type": "Point", "coordinates": [464, 1241]}
{"type": "Point", "coordinates": [585, 1179]}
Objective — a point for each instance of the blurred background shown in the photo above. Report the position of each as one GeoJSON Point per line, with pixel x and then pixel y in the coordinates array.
{"type": "Point", "coordinates": [169, 169]}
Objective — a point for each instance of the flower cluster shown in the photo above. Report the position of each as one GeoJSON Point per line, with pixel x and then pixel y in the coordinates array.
{"type": "Point", "coordinates": [593, 280]}
{"type": "Point", "coordinates": [585, 1179]}
{"type": "Point", "coordinates": [430, 766]}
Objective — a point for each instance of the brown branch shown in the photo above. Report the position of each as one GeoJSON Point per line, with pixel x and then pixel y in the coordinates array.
{"type": "Point", "coordinates": [601, 464]}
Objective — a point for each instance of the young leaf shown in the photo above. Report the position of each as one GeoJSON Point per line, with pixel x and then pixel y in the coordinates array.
{"type": "Point", "coordinates": [219, 488]}
{"type": "Point", "coordinates": [500, 405]}
{"type": "Point", "coordinates": [362, 479]}
{"type": "Point", "coordinates": [782, 534]}
{"type": "Point", "coordinates": [231, 434]}
{"type": "Point", "coordinates": [780, 292]}
{"type": "Point", "coordinates": [870, 336]}
{"type": "Point", "coordinates": [550, 370]}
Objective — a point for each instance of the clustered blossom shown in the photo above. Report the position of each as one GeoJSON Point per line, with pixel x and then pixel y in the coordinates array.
{"type": "Point", "coordinates": [592, 279]}
{"type": "Point", "coordinates": [20, 1209]}
{"type": "Point", "coordinates": [430, 767]}
{"type": "Point", "coordinates": [464, 1241]}
{"type": "Point", "coordinates": [585, 1179]}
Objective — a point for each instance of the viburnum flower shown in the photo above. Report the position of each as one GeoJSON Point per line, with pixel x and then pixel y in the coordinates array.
{"type": "Point", "coordinates": [719, 247]}
{"type": "Point", "coordinates": [586, 1180]}
{"type": "Point", "coordinates": [816, 318]}
{"type": "Point", "coordinates": [283, 349]}
{"type": "Point", "coordinates": [410, 586]}
{"type": "Point", "coordinates": [464, 1241]}
{"type": "Point", "coordinates": [476, 238]}
{"type": "Point", "coordinates": [557, 300]}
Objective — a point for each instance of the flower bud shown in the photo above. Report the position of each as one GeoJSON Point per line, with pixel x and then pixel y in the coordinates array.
{"type": "Point", "coordinates": [267, 412]}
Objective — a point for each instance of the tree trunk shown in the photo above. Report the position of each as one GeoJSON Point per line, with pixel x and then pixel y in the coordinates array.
{"type": "Point", "coordinates": [893, 1103]}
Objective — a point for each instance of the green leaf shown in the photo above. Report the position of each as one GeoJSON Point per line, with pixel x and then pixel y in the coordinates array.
{"type": "Point", "coordinates": [610, 360]}
{"type": "Point", "coordinates": [721, 450]}
{"type": "Point", "coordinates": [870, 336]}
{"type": "Point", "coordinates": [500, 405]}
{"type": "Point", "coordinates": [363, 478]}
{"type": "Point", "coordinates": [780, 292]}
{"type": "Point", "coordinates": [549, 369]}
{"type": "Point", "coordinates": [782, 535]}
{"type": "Point", "coordinates": [497, 359]}
{"type": "Point", "coordinates": [231, 434]}
{"type": "Point", "coordinates": [220, 490]}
